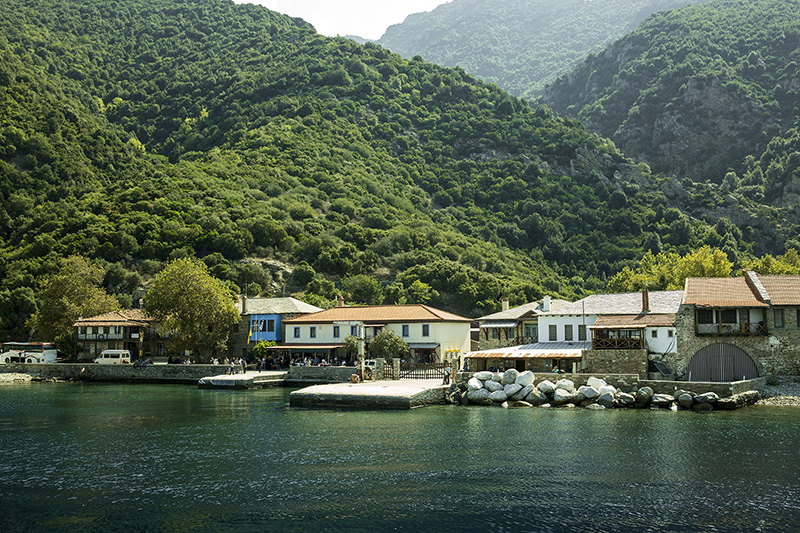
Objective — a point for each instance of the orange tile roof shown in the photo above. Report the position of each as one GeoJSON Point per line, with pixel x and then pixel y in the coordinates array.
{"type": "Point", "coordinates": [380, 313]}
{"type": "Point", "coordinates": [720, 292]}
{"type": "Point", "coordinates": [782, 290]}
{"type": "Point", "coordinates": [124, 317]}
{"type": "Point", "coordinates": [633, 321]}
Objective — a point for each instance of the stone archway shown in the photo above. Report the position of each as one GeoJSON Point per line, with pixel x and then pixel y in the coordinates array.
{"type": "Point", "coordinates": [721, 362]}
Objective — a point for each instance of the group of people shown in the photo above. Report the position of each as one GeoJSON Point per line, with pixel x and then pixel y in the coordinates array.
{"type": "Point", "coordinates": [318, 361]}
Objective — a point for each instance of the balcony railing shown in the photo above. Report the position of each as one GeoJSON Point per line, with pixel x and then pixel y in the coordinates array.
{"type": "Point", "coordinates": [743, 328]}
{"type": "Point", "coordinates": [100, 336]}
{"type": "Point", "coordinates": [617, 344]}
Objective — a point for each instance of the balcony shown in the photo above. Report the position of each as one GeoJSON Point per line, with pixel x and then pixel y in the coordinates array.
{"type": "Point", "coordinates": [742, 328]}
{"type": "Point", "coordinates": [625, 343]}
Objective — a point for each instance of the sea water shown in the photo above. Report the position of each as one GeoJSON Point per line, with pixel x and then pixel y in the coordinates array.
{"type": "Point", "coordinates": [98, 457]}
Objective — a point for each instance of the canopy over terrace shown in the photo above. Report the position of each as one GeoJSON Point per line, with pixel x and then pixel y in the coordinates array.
{"type": "Point", "coordinates": [538, 357]}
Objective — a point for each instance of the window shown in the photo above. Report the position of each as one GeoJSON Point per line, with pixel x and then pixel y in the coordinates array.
{"type": "Point", "coordinates": [426, 330]}
{"type": "Point", "coordinates": [778, 318]}
{"type": "Point", "coordinates": [511, 333]}
{"type": "Point", "coordinates": [83, 330]}
{"type": "Point", "coordinates": [705, 316]}
{"type": "Point", "coordinates": [552, 335]}
{"type": "Point", "coordinates": [670, 333]}
{"type": "Point", "coordinates": [297, 332]}
{"type": "Point", "coordinates": [728, 316]}
{"type": "Point", "coordinates": [654, 334]}
{"type": "Point", "coordinates": [530, 330]}
{"type": "Point", "coordinates": [568, 332]}
{"type": "Point", "coordinates": [271, 325]}
{"type": "Point", "coordinates": [236, 328]}
{"type": "Point", "coordinates": [582, 332]}
{"type": "Point", "coordinates": [405, 330]}
{"type": "Point", "coordinates": [354, 331]}
{"type": "Point", "coordinates": [335, 332]}
{"type": "Point", "coordinates": [312, 332]}
{"type": "Point", "coordinates": [495, 333]}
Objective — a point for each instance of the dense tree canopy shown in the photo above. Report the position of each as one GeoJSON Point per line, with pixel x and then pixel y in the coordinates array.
{"type": "Point", "coordinates": [192, 306]}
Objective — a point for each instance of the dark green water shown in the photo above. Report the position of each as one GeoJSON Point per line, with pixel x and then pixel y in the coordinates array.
{"type": "Point", "coordinates": [88, 457]}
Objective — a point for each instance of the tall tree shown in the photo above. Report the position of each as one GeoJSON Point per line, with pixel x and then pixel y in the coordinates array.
{"type": "Point", "coordinates": [196, 307]}
{"type": "Point", "coordinates": [71, 293]}
{"type": "Point", "coordinates": [388, 345]}
{"type": "Point", "coordinates": [668, 271]}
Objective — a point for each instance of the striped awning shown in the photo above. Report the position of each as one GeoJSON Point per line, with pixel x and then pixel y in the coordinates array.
{"type": "Point", "coordinates": [423, 345]}
{"type": "Point", "coordinates": [505, 324]}
{"type": "Point", "coordinates": [306, 346]}
{"type": "Point", "coordinates": [539, 350]}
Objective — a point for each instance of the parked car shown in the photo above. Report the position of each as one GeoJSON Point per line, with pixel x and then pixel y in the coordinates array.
{"type": "Point", "coordinates": [114, 357]}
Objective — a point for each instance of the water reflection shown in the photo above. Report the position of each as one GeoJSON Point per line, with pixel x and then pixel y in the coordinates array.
{"type": "Point", "coordinates": [98, 457]}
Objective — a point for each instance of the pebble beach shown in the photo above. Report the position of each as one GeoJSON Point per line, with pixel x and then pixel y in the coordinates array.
{"type": "Point", "coordinates": [785, 393]}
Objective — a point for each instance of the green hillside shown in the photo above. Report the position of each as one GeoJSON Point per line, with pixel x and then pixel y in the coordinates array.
{"type": "Point", "coordinates": [139, 131]}
{"type": "Point", "coordinates": [695, 91]}
{"type": "Point", "coordinates": [521, 45]}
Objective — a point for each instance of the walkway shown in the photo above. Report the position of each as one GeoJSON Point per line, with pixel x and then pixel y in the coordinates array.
{"type": "Point", "coordinates": [249, 380]}
{"type": "Point", "coordinates": [400, 394]}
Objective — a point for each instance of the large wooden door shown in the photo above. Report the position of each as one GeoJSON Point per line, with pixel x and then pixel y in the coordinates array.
{"type": "Point", "coordinates": [721, 362]}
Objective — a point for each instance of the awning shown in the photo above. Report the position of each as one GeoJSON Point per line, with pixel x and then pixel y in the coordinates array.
{"type": "Point", "coordinates": [306, 346]}
{"type": "Point", "coordinates": [499, 325]}
{"type": "Point", "coordinates": [423, 345]}
{"type": "Point", "coordinates": [539, 350]}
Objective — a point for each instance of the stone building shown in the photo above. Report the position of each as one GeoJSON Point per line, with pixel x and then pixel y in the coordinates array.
{"type": "Point", "coordinates": [738, 328]}
{"type": "Point", "coordinates": [128, 329]}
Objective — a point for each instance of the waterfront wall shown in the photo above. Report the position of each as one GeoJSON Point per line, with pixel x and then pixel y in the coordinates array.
{"type": "Point", "coordinates": [617, 361]}
{"type": "Point", "coordinates": [189, 374]}
{"type": "Point", "coordinates": [320, 374]}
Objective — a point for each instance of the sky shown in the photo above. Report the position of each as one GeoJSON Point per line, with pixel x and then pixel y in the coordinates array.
{"type": "Point", "coordinates": [364, 18]}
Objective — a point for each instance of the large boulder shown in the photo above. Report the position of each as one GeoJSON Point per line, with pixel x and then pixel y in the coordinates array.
{"type": "Point", "coordinates": [518, 404]}
{"type": "Point", "coordinates": [662, 400]}
{"type": "Point", "coordinates": [738, 400]}
{"type": "Point", "coordinates": [546, 386]}
{"type": "Point", "coordinates": [608, 388]}
{"type": "Point", "coordinates": [536, 397]}
{"type": "Point", "coordinates": [565, 384]}
{"type": "Point", "coordinates": [680, 392]}
{"type": "Point", "coordinates": [606, 400]}
{"type": "Point", "coordinates": [525, 378]}
{"type": "Point", "coordinates": [702, 406]}
{"type": "Point", "coordinates": [483, 376]}
{"type": "Point", "coordinates": [497, 377]}
{"type": "Point", "coordinates": [590, 393]}
{"type": "Point", "coordinates": [562, 396]}
{"type": "Point", "coordinates": [492, 386]}
{"type": "Point", "coordinates": [685, 400]}
{"type": "Point", "coordinates": [597, 383]}
{"type": "Point", "coordinates": [512, 389]}
{"type": "Point", "coordinates": [708, 397]}
{"type": "Point", "coordinates": [595, 406]}
{"type": "Point", "coordinates": [474, 384]}
{"type": "Point", "coordinates": [510, 376]}
{"type": "Point", "coordinates": [644, 395]}
{"type": "Point", "coordinates": [523, 393]}
{"type": "Point", "coordinates": [477, 395]}
{"type": "Point", "coordinates": [498, 396]}
{"type": "Point", "coordinates": [627, 398]}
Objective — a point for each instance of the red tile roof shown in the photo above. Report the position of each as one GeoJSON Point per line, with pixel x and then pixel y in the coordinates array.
{"type": "Point", "coordinates": [782, 290]}
{"type": "Point", "coordinates": [125, 317]}
{"type": "Point", "coordinates": [720, 292]}
{"type": "Point", "coordinates": [633, 321]}
{"type": "Point", "coordinates": [380, 313]}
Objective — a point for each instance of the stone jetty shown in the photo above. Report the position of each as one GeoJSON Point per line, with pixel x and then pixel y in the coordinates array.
{"type": "Point", "coordinates": [514, 389]}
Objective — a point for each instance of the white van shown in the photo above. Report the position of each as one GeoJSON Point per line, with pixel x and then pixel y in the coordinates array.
{"type": "Point", "coordinates": [114, 357]}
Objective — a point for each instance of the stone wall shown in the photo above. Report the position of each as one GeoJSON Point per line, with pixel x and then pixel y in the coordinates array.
{"type": "Point", "coordinates": [620, 381]}
{"type": "Point", "coordinates": [617, 361]}
{"type": "Point", "coordinates": [189, 374]}
{"type": "Point", "coordinates": [320, 374]}
{"type": "Point", "coordinates": [775, 353]}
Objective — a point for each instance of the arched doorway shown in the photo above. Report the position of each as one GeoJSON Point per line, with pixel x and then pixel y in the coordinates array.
{"type": "Point", "coordinates": [721, 362]}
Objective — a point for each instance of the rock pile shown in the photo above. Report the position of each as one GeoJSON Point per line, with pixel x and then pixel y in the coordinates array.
{"type": "Point", "coordinates": [514, 389]}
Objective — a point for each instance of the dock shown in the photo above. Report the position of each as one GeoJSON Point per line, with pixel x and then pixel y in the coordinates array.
{"type": "Point", "coordinates": [400, 394]}
{"type": "Point", "coordinates": [247, 380]}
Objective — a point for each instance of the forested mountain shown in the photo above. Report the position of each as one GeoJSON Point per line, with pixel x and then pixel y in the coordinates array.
{"type": "Point", "coordinates": [696, 92]}
{"type": "Point", "coordinates": [521, 45]}
{"type": "Point", "coordinates": [137, 131]}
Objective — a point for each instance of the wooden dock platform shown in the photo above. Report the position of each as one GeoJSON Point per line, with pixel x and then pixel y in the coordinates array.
{"type": "Point", "coordinates": [248, 380]}
{"type": "Point", "coordinates": [402, 394]}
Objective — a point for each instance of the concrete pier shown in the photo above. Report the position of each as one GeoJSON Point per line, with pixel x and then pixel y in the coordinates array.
{"type": "Point", "coordinates": [248, 380]}
{"type": "Point", "coordinates": [402, 394]}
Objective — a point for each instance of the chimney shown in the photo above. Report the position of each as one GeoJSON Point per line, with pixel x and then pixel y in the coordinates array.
{"type": "Point", "coordinates": [504, 303]}
{"type": "Point", "coordinates": [645, 301]}
{"type": "Point", "coordinates": [244, 305]}
{"type": "Point", "coordinates": [546, 304]}
{"type": "Point", "coordinates": [339, 301]}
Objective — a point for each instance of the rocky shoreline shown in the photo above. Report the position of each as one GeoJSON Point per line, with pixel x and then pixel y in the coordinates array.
{"type": "Point", "coordinates": [15, 378]}
{"type": "Point", "coordinates": [782, 391]}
